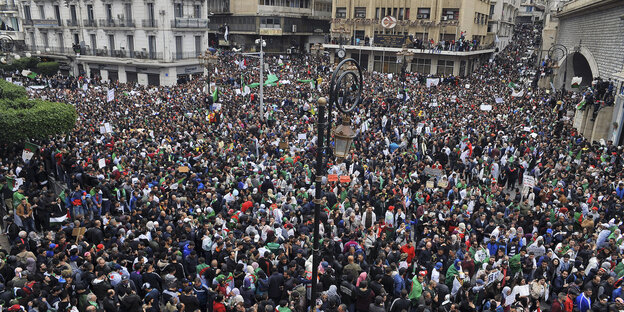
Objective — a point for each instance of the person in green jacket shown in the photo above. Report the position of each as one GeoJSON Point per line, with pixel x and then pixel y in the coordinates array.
{"type": "Point", "coordinates": [417, 287]}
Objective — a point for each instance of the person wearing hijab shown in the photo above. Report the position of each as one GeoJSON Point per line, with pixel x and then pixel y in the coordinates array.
{"type": "Point", "coordinates": [361, 278]}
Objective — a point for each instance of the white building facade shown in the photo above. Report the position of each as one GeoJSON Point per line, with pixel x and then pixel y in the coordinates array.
{"type": "Point", "coordinates": [153, 42]}
{"type": "Point", "coordinates": [502, 21]}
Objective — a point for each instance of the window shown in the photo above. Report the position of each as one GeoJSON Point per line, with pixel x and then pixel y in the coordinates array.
{"type": "Point", "coordinates": [377, 11]}
{"type": "Point", "coordinates": [422, 66]}
{"type": "Point", "coordinates": [424, 13]}
{"type": "Point", "coordinates": [32, 40]}
{"type": "Point", "coordinates": [72, 13]}
{"type": "Point", "coordinates": [178, 41]}
{"type": "Point", "coordinates": [198, 45]}
{"type": "Point", "coordinates": [57, 15]}
{"type": "Point", "coordinates": [462, 68]}
{"type": "Point", "coordinates": [44, 38]}
{"type": "Point", "coordinates": [41, 12]}
{"type": "Point", "coordinates": [128, 11]}
{"type": "Point", "coordinates": [27, 15]}
{"type": "Point", "coordinates": [130, 39]}
{"type": "Point", "coordinates": [111, 44]}
{"type": "Point", "coordinates": [152, 47]}
{"type": "Point", "coordinates": [61, 43]}
{"type": "Point", "coordinates": [450, 14]}
{"type": "Point", "coordinates": [150, 11]}
{"type": "Point", "coordinates": [400, 17]}
{"type": "Point", "coordinates": [360, 12]}
{"type": "Point", "coordinates": [383, 12]}
{"type": "Point", "coordinates": [109, 12]}
{"type": "Point", "coordinates": [341, 12]}
{"type": "Point", "coordinates": [394, 12]}
{"type": "Point", "coordinates": [407, 13]}
{"type": "Point", "coordinates": [492, 10]}
{"type": "Point", "coordinates": [445, 67]}
{"type": "Point", "coordinates": [270, 22]}
{"type": "Point", "coordinates": [90, 15]}
{"type": "Point", "coordinates": [178, 10]}
{"type": "Point", "coordinates": [93, 42]}
{"type": "Point", "coordinates": [197, 11]}
{"type": "Point", "coordinates": [76, 39]}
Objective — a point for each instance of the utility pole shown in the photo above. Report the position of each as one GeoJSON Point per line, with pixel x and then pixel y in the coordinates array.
{"type": "Point", "coordinates": [261, 79]}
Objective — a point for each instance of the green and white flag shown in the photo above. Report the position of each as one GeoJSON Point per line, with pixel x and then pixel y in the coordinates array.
{"type": "Point", "coordinates": [581, 104]}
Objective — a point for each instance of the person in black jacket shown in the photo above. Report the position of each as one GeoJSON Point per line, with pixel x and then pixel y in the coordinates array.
{"type": "Point", "coordinates": [401, 303]}
{"type": "Point", "coordinates": [131, 302]}
{"type": "Point", "coordinates": [276, 285]}
{"type": "Point", "coordinates": [111, 302]}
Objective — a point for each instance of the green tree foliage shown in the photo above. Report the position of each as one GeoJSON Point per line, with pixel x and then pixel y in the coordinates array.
{"type": "Point", "coordinates": [29, 63]}
{"type": "Point", "coordinates": [24, 119]}
{"type": "Point", "coordinates": [47, 68]}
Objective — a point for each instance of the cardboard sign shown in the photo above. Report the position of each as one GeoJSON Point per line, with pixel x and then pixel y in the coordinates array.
{"type": "Point", "coordinates": [442, 183]}
{"type": "Point", "coordinates": [528, 181]}
{"type": "Point", "coordinates": [345, 179]}
{"type": "Point", "coordinates": [184, 169]}
{"type": "Point", "coordinates": [433, 172]}
{"type": "Point", "coordinates": [430, 184]}
{"type": "Point", "coordinates": [101, 163]}
{"type": "Point", "coordinates": [332, 177]}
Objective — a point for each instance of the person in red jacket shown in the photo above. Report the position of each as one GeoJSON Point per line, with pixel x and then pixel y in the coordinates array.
{"type": "Point", "coordinates": [218, 305]}
{"type": "Point", "coordinates": [557, 305]}
{"type": "Point", "coordinates": [409, 250]}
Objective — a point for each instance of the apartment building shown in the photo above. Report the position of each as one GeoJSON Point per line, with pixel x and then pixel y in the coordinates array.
{"type": "Point", "coordinates": [152, 42]}
{"type": "Point", "coordinates": [289, 26]}
{"type": "Point", "coordinates": [502, 22]}
{"type": "Point", "coordinates": [357, 32]}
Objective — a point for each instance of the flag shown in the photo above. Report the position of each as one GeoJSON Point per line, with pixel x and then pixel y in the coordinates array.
{"type": "Point", "coordinates": [576, 81]}
{"type": "Point", "coordinates": [271, 80]}
{"type": "Point", "coordinates": [215, 95]}
{"type": "Point", "coordinates": [515, 93]}
{"type": "Point", "coordinates": [32, 75]}
{"type": "Point", "coordinates": [226, 34]}
{"type": "Point", "coordinates": [110, 95]}
{"type": "Point", "coordinates": [512, 85]}
{"type": "Point", "coordinates": [31, 147]}
{"type": "Point", "coordinates": [581, 104]}
{"type": "Point", "coordinates": [305, 80]}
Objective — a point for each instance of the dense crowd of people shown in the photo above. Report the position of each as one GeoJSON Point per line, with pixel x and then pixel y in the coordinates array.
{"type": "Point", "coordinates": [468, 195]}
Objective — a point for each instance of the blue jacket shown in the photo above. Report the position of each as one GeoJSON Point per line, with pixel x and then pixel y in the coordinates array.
{"type": "Point", "coordinates": [583, 303]}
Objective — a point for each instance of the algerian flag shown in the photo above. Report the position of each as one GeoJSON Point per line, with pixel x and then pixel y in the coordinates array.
{"type": "Point", "coordinates": [271, 79]}
{"type": "Point", "coordinates": [517, 94]}
{"type": "Point", "coordinates": [215, 95]}
{"type": "Point", "coordinates": [32, 75]}
{"type": "Point", "coordinates": [576, 81]}
{"type": "Point", "coordinates": [512, 85]}
{"type": "Point", "coordinates": [581, 104]}
{"type": "Point", "coordinates": [305, 80]}
{"type": "Point", "coordinates": [29, 151]}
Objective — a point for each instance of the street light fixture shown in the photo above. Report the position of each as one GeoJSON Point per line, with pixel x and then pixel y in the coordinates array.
{"type": "Point", "coordinates": [345, 92]}
{"type": "Point", "coordinates": [208, 59]}
{"type": "Point", "coordinates": [551, 55]}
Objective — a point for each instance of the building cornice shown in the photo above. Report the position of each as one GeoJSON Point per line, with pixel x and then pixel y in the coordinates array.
{"type": "Point", "coordinates": [582, 7]}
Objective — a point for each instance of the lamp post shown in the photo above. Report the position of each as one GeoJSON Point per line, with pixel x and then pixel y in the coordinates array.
{"type": "Point", "coordinates": [208, 59]}
{"type": "Point", "coordinates": [262, 43]}
{"type": "Point", "coordinates": [345, 92]}
{"type": "Point", "coordinates": [7, 49]}
{"type": "Point", "coordinates": [406, 56]}
{"type": "Point", "coordinates": [551, 56]}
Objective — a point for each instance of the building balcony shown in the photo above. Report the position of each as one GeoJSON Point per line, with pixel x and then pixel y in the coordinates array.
{"type": "Point", "coordinates": [117, 23]}
{"type": "Point", "coordinates": [150, 23]}
{"type": "Point", "coordinates": [45, 23]}
{"type": "Point", "coordinates": [181, 22]}
{"type": "Point", "coordinates": [8, 8]}
{"type": "Point", "coordinates": [185, 55]}
{"type": "Point", "coordinates": [89, 23]}
{"type": "Point", "coordinates": [88, 51]}
{"type": "Point", "coordinates": [71, 23]}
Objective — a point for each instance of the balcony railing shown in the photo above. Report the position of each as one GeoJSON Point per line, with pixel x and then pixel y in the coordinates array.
{"type": "Point", "coordinates": [71, 23]}
{"type": "Point", "coordinates": [89, 23]}
{"type": "Point", "coordinates": [88, 51]}
{"type": "Point", "coordinates": [185, 55]}
{"type": "Point", "coordinates": [8, 7]}
{"type": "Point", "coordinates": [46, 23]}
{"type": "Point", "coordinates": [116, 23]}
{"type": "Point", "coordinates": [189, 23]}
{"type": "Point", "coordinates": [150, 23]}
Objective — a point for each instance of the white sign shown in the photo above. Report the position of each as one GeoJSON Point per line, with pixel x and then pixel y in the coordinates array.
{"type": "Point", "coordinates": [110, 96]}
{"type": "Point", "coordinates": [485, 107]}
{"type": "Point", "coordinates": [102, 163]}
{"type": "Point", "coordinates": [27, 155]}
{"type": "Point", "coordinates": [301, 136]}
{"type": "Point", "coordinates": [528, 181]}
{"type": "Point", "coordinates": [432, 82]}
{"type": "Point", "coordinates": [108, 128]}
{"type": "Point", "coordinates": [499, 100]}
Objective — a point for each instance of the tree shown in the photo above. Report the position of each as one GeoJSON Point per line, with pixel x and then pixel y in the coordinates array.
{"type": "Point", "coordinates": [48, 68]}
{"type": "Point", "coordinates": [24, 119]}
